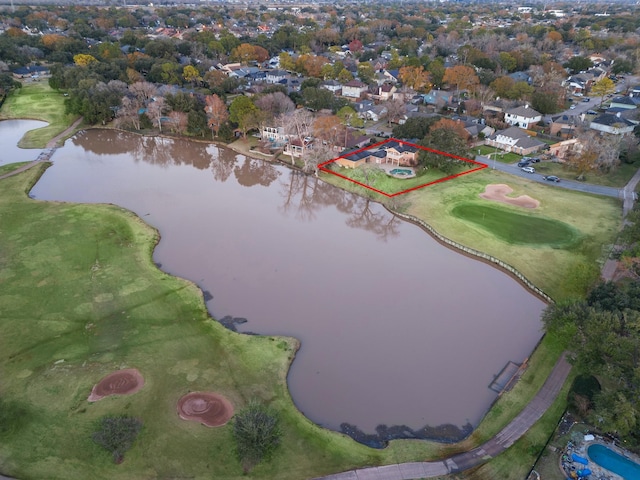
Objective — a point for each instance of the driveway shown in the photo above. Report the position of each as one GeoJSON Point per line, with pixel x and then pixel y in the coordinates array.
{"type": "Point", "coordinates": [513, 169]}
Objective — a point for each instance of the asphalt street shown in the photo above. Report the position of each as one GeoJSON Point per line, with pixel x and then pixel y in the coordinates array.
{"type": "Point", "coordinates": [513, 169]}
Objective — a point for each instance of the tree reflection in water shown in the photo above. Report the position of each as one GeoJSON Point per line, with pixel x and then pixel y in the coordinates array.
{"type": "Point", "coordinates": [303, 194]}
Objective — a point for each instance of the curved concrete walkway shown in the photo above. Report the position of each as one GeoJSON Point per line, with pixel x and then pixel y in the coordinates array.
{"type": "Point", "coordinates": [463, 461]}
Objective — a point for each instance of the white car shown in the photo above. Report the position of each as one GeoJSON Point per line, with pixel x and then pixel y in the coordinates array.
{"type": "Point", "coordinates": [528, 169]}
{"type": "Point", "coordinates": [572, 106]}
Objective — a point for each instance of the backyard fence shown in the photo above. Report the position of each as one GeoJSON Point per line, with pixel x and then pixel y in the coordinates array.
{"type": "Point", "coordinates": [470, 251]}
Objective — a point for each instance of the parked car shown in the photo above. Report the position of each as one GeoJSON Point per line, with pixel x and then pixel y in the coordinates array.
{"type": "Point", "coordinates": [524, 162]}
{"type": "Point", "coordinates": [586, 100]}
{"type": "Point", "coordinates": [534, 159]}
{"type": "Point", "coordinates": [572, 106]}
{"type": "Point", "coordinates": [591, 112]}
{"type": "Point", "coordinates": [551, 178]}
{"type": "Point", "coordinates": [528, 169]}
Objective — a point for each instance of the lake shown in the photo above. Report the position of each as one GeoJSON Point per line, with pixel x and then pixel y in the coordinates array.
{"type": "Point", "coordinates": [395, 328]}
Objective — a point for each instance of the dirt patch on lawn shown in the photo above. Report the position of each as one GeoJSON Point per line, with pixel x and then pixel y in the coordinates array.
{"type": "Point", "coordinates": [498, 193]}
{"type": "Point", "coordinates": [122, 382]}
{"type": "Point", "coordinates": [209, 408]}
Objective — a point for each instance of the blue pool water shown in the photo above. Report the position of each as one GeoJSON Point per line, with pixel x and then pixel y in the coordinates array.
{"type": "Point", "coordinates": [400, 171]}
{"type": "Point", "coordinates": [610, 460]}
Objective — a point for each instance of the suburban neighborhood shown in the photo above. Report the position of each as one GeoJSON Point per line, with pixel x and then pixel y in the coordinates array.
{"type": "Point", "coordinates": [357, 111]}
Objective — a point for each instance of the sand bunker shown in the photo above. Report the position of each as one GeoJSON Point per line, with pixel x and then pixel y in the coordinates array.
{"type": "Point", "coordinates": [210, 409]}
{"type": "Point", "coordinates": [122, 382]}
{"type": "Point", "coordinates": [498, 193]}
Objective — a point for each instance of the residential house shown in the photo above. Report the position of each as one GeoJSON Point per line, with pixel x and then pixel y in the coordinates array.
{"type": "Point", "coordinates": [521, 77]}
{"type": "Point", "coordinates": [627, 103]}
{"type": "Point", "coordinates": [474, 126]}
{"type": "Point", "coordinates": [516, 140]}
{"type": "Point", "coordinates": [386, 91]}
{"type": "Point", "coordinates": [276, 76]}
{"type": "Point", "coordinates": [30, 71]}
{"type": "Point", "coordinates": [275, 135]}
{"type": "Point", "coordinates": [354, 89]}
{"type": "Point", "coordinates": [392, 76]}
{"type": "Point", "coordinates": [439, 98]}
{"type": "Point", "coordinates": [614, 124]}
{"type": "Point", "coordinates": [401, 153]}
{"type": "Point", "coordinates": [297, 146]}
{"type": "Point", "coordinates": [333, 86]}
{"type": "Point", "coordinates": [523, 116]}
{"type": "Point", "coordinates": [368, 110]}
{"type": "Point", "coordinates": [562, 150]}
{"type": "Point", "coordinates": [360, 157]}
{"type": "Point", "coordinates": [563, 126]}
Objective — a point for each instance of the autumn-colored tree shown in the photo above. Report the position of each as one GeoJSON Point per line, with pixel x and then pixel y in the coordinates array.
{"type": "Point", "coordinates": [217, 113]}
{"type": "Point", "coordinates": [83, 59]}
{"type": "Point", "coordinates": [286, 62]}
{"type": "Point", "coordinates": [453, 125]}
{"type": "Point", "coordinates": [191, 74]}
{"type": "Point", "coordinates": [416, 78]}
{"type": "Point", "coordinates": [329, 128]}
{"type": "Point", "coordinates": [134, 76]}
{"type": "Point", "coordinates": [52, 40]}
{"type": "Point", "coordinates": [345, 76]}
{"type": "Point", "coordinates": [244, 53]}
{"type": "Point", "coordinates": [463, 77]}
{"type": "Point", "coordinates": [603, 87]}
{"type": "Point", "coordinates": [215, 78]}
{"type": "Point", "coordinates": [311, 65]}
{"type": "Point", "coordinates": [502, 85]}
{"type": "Point", "coordinates": [365, 72]}
{"type": "Point", "coordinates": [355, 45]}
{"type": "Point", "coordinates": [261, 54]}
{"type": "Point", "coordinates": [554, 36]}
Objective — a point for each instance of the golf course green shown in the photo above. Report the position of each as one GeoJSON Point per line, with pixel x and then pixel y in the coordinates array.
{"type": "Point", "coordinates": [516, 228]}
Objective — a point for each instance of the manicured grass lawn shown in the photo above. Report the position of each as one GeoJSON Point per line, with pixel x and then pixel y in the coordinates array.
{"type": "Point", "coordinates": [80, 297]}
{"type": "Point", "coordinates": [503, 157]}
{"type": "Point", "coordinates": [37, 101]}
{"type": "Point", "coordinates": [617, 178]}
{"type": "Point", "coordinates": [391, 185]}
{"type": "Point", "coordinates": [516, 228]}
{"type": "Point", "coordinates": [562, 272]}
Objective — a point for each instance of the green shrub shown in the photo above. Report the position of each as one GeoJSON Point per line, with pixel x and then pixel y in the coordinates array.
{"type": "Point", "coordinates": [257, 434]}
{"type": "Point", "coordinates": [117, 434]}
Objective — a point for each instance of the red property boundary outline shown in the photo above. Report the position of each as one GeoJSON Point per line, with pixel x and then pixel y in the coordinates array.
{"type": "Point", "coordinates": [322, 167]}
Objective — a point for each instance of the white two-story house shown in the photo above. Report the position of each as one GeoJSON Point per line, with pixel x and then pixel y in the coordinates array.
{"type": "Point", "coordinates": [522, 117]}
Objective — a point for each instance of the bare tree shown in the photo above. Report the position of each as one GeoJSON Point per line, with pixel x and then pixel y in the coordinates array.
{"type": "Point", "coordinates": [217, 113]}
{"type": "Point", "coordinates": [274, 104]}
{"type": "Point", "coordinates": [179, 122]}
{"type": "Point", "coordinates": [143, 91]}
{"type": "Point", "coordinates": [127, 115]}
{"type": "Point", "coordinates": [156, 111]}
{"type": "Point", "coordinates": [297, 126]}
{"type": "Point", "coordinates": [395, 110]}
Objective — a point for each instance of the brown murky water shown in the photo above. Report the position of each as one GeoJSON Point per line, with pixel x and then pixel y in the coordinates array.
{"type": "Point", "coordinates": [11, 131]}
{"type": "Point", "coordinates": [395, 328]}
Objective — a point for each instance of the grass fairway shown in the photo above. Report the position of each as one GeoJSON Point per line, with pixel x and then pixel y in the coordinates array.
{"type": "Point", "coordinates": [79, 298]}
{"type": "Point", "coordinates": [563, 268]}
{"type": "Point", "coordinates": [516, 228]}
{"type": "Point", "coordinates": [37, 101]}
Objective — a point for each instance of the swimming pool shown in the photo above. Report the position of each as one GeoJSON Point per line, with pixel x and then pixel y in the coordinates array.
{"type": "Point", "coordinates": [614, 462]}
{"type": "Point", "coordinates": [401, 171]}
